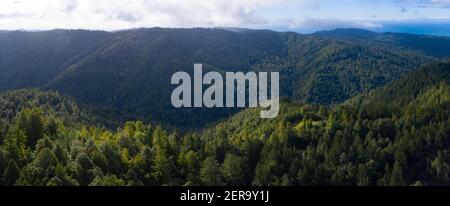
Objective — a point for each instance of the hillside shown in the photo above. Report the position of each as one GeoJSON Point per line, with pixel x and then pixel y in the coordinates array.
{"type": "Point", "coordinates": [32, 59]}
{"type": "Point", "coordinates": [425, 44]}
{"type": "Point", "coordinates": [305, 145]}
{"type": "Point", "coordinates": [401, 92]}
{"type": "Point", "coordinates": [330, 71]}
{"type": "Point", "coordinates": [70, 112]}
{"type": "Point", "coordinates": [130, 70]}
{"type": "Point", "coordinates": [403, 142]}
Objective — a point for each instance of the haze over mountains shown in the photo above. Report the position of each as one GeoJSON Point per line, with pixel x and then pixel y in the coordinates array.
{"type": "Point", "coordinates": [425, 44]}
{"type": "Point", "coordinates": [130, 70]}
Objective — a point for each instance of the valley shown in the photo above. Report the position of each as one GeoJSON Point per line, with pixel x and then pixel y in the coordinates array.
{"type": "Point", "coordinates": [89, 108]}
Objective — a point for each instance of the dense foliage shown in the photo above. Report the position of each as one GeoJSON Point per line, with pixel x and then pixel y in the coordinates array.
{"type": "Point", "coordinates": [130, 70]}
{"type": "Point", "coordinates": [425, 44]}
{"type": "Point", "coordinates": [350, 144]}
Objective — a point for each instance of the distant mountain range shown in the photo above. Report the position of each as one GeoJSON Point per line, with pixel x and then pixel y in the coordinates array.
{"type": "Point", "coordinates": [425, 44]}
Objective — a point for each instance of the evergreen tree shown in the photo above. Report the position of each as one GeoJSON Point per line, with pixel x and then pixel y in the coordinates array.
{"type": "Point", "coordinates": [210, 172]}
{"type": "Point", "coordinates": [162, 167]}
{"type": "Point", "coordinates": [234, 170]}
{"type": "Point", "coordinates": [11, 174]}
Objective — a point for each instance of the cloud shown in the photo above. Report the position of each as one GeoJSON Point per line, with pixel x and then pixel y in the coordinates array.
{"type": "Point", "coordinates": [123, 14]}
{"type": "Point", "coordinates": [321, 24]}
{"type": "Point", "coordinates": [115, 14]}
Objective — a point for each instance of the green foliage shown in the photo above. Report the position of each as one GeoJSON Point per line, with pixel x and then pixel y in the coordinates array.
{"type": "Point", "coordinates": [210, 172]}
{"type": "Point", "coordinates": [109, 180]}
{"type": "Point", "coordinates": [394, 135]}
{"type": "Point", "coordinates": [30, 121]}
{"type": "Point", "coordinates": [15, 144]}
{"type": "Point", "coordinates": [425, 44]}
{"type": "Point", "coordinates": [305, 145]}
{"type": "Point", "coordinates": [128, 72]}
{"type": "Point", "coordinates": [234, 170]}
{"type": "Point", "coordinates": [11, 174]}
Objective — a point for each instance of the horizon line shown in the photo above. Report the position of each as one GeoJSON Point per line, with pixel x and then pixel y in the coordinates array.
{"type": "Point", "coordinates": [231, 29]}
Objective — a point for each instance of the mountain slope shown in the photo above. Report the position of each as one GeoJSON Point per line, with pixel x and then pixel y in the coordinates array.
{"type": "Point", "coordinates": [428, 45]}
{"type": "Point", "coordinates": [407, 88]}
{"type": "Point", "coordinates": [133, 71]}
{"type": "Point", "coordinates": [305, 145]}
{"type": "Point", "coordinates": [348, 145]}
{"type": "Point", "coordinates": [52, 104]}
{"type": "Point", "coordinates": [130, 70]}
{"type": "Point", "coordinates": [32, 59]}
{"type": "Point", "coordinates": [329, 71]}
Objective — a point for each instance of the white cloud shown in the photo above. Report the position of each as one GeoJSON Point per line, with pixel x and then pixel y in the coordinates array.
{"type": "Point", "coordinates": [123, 14]}
{"type": "Point", "coordinates": [320, 24]}
{"type": "Point", "coordinates": [118, 14]}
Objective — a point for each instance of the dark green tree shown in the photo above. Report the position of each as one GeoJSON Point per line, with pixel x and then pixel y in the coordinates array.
{"type": "Point", "coordinates": [210, 172]}
{"type": "Point", "coordinates": [11, 174]}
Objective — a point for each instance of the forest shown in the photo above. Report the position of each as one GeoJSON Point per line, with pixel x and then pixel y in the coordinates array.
{"type": "Point", "coordinates": [130, 71]}
{"type": "Point", "coordinates": [91, 108]}
{"type": "Point", "coordinates": [49, 140]}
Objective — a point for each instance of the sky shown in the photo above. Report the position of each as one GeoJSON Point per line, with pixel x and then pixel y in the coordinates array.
{"type": "Point", "coordinates": [305, 16]}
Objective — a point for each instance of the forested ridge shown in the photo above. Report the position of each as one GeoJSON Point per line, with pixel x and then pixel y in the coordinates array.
{"type": "Point", "coordinates": [426, 44]}
{"type": "Point", "coordinates": [396, 135]}
{"type": "Point", "coordinates": [129, 71]}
